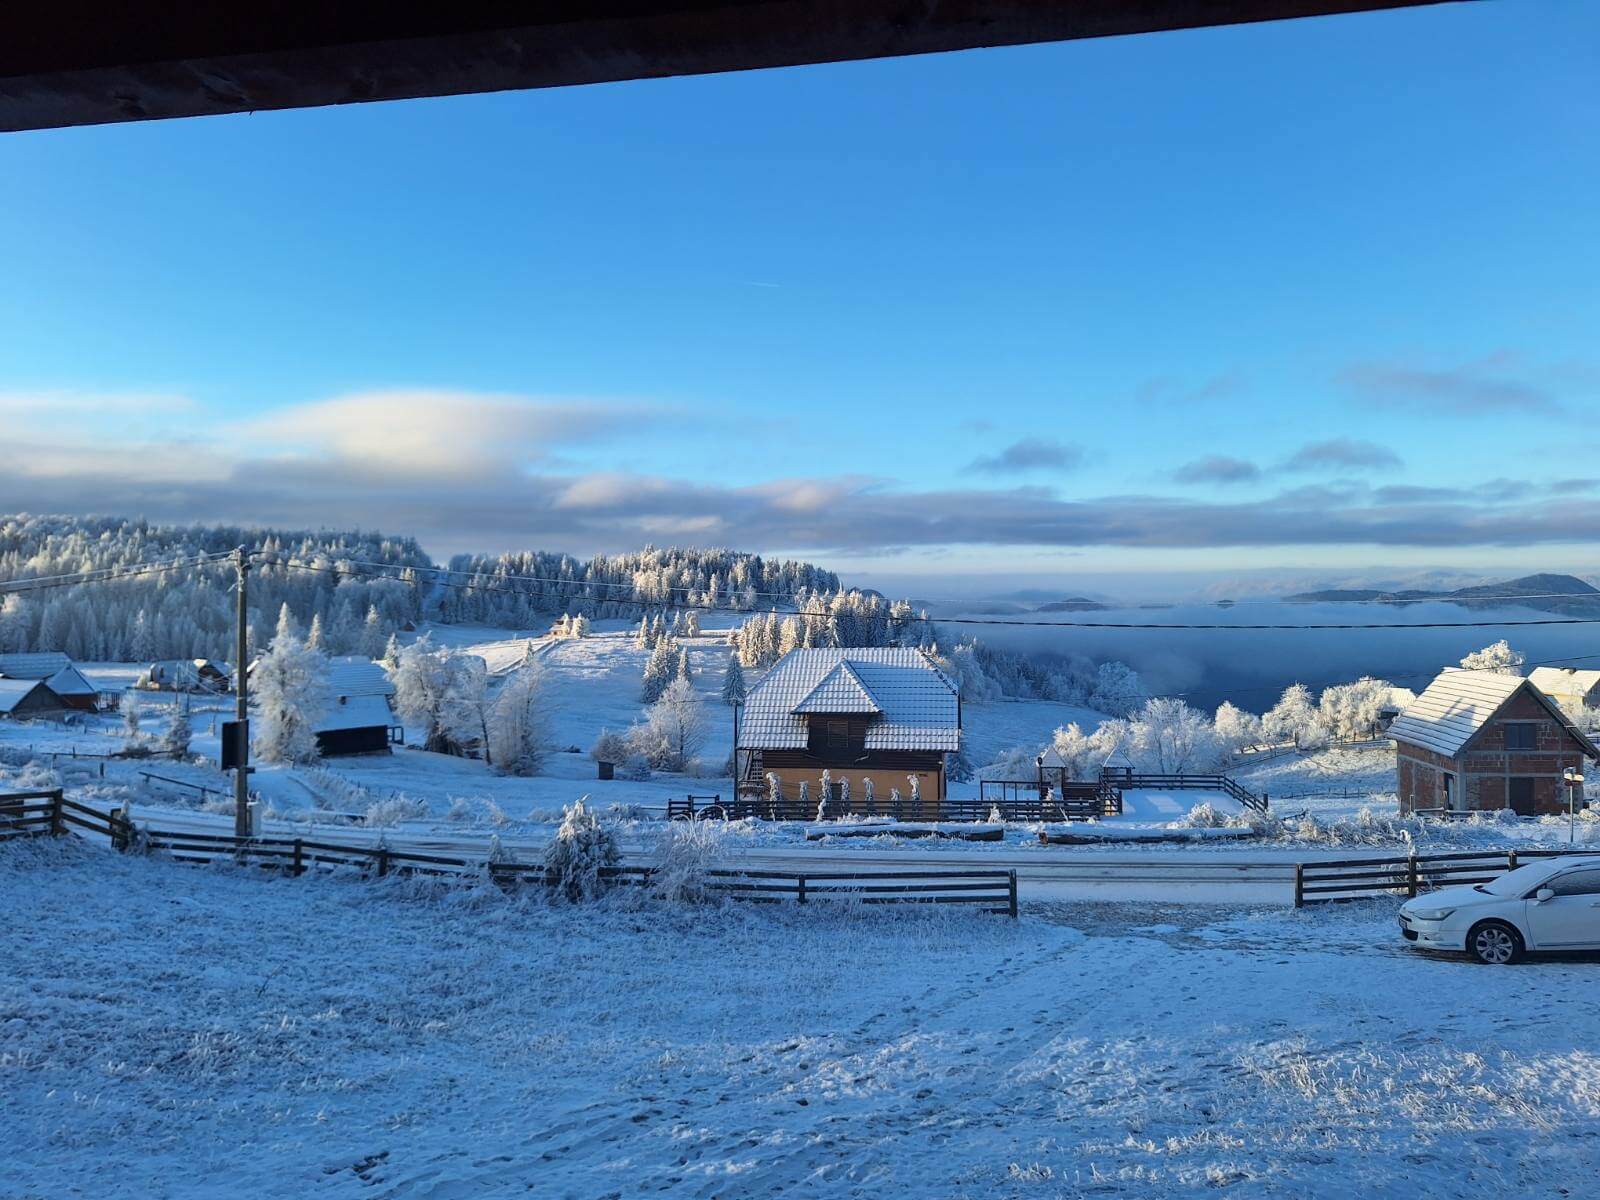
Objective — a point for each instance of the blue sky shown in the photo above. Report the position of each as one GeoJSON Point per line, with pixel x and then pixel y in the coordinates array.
{"type": "Point", "coordinates": [1314, 294]}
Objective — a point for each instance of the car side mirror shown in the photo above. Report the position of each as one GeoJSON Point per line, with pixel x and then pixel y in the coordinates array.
{"type": "Point", "coordinates": [1544, 894]}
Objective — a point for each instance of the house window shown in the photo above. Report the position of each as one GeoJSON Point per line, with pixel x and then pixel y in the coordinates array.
{"type": "Point", "coordinates": [1521, 735]}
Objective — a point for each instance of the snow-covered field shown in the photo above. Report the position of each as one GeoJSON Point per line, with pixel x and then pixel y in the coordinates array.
{"type": "Point", "coordinates": [176, 1031]}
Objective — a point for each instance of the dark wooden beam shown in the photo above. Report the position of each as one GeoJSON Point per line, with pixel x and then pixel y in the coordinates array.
{"type": "Point", "coordinates": [77, 63]}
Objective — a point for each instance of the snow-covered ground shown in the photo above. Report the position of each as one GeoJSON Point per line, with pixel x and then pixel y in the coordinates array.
{"type": "Point", "coordinates": [190, 1032]}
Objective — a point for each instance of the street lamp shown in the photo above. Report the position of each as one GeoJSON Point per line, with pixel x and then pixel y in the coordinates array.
{"type": "Point", "coordinates": [1573, 778]}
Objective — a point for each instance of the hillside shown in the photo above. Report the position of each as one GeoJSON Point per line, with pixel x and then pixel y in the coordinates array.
{"type": "Point", "coordinates": [1545, 592]}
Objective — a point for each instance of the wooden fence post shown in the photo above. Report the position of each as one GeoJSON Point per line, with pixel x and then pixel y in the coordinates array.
{"type": "Point", "coordinates": [1013, 886]}
{"type": "Point", "coordinates": [298, 866]}
{"type": "Point", "coordinates": [800, 891]}
{"type": "Point", "coordinates": [1299, 885]}
{"type": "Point", "coordinates": [1511, 860]}
{"type": "Point", "coordinates": [383, 861]}
{"type": "Point", "coordinates": [57, 823]}
{"type": "Point", "coordinates": [1411, 876]}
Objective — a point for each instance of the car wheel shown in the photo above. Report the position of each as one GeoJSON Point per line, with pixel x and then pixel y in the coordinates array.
{"type": "Point", "coordinates": [1494, 943]}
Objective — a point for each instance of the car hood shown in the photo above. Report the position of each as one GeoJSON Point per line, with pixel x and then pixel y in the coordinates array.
{"type": "Point", "coordinates": [1450, 897]}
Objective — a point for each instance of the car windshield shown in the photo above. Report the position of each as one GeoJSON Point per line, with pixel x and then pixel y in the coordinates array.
{"type": "Point", "coordinates": [1518, 882]}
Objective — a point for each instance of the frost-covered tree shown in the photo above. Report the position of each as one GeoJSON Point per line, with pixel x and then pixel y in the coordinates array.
{"type": "Point", "coordinates": [314, 639]}
{"type": "Point", "coordinates": [1351, 710]}
{"type": "Point", "coordinates": [1118, 690]}
{"type": "Point", "coordinates": [179, 732]}
{"type": "Point", "coordinates": [1169, 737]}
{"type": "Point", "coordinates": [683, 671]}
{"type": "Point", "coordinates": [371, 643]}
{"type": "Point", "coordinates": [1497, 657]}
{"type": "Point", "coordinates": [676, 727]}
{"type": "Point", "coordinates": [290, 688]}
{"type": "Point", "coordinates": [519, 726]}
{"type": "Point", "coordinates": [580, 626]}
{"type": "Point", "coordinates": [391, 651]}
{"type": "Point", "coordinates": [659, 670]}
{"type": "Point", "coordinates": [424, 692]}
{"type": "Point", "coordinates": [958, 766]}
{"type": "Point", "coordinates": [469, 705]}
{"type": "Point", "coordinates": [132, 710]}
{"type": "Point", "coordinates": [581, 850]}
{"type": "Point", "coordinates": [286, 626]}
{"type": "Point", "coordinates": [610, 747]}
{"type": "Point", "coordinates": [13, 624]}
{"type": "Point", "coordinates": [1236, 728]}
{"type": "Point", "coordinates": [733, 689]}
{"type": "Point", "coordinates": [1294, 718]}
{"type": "Point", "coordinates": [691, 624]}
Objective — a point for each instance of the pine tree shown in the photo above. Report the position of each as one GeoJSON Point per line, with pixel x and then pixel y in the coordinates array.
{"type": "Point", "coordinates": [314, 637]}
{"type": "Point", "coordinates": [659, 670]}
{"type": "Point", "coordinates": [291, 695]}
{"type": "Point", "coordinates": [179, 733]}
{"type": "Point", "coordinates": [733, 688]}
{"type": "Point", "coordinates": [391, 651]}
{"type": "Point", "coordinates": [371, 644]}
{"type": "Point", "coordinates": [286, 625]}
{"type": "Point", "coordinates": [682, 671]}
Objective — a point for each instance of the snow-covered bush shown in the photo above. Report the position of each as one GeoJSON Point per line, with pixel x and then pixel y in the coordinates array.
{"type": "Point", "coordinates": [382, 814]}
{"type": "Point", "coordinates": [610, 746]}
{"type": "Point", "coordinates": [1497, 657]}
{"type": "Point", "coordinates": [1205, 816]}
{"type": "Point", "coordinates": [1015, 762]}
{"type": "Point", "coordinates": [460, 809]}
{"type": "Point", "coordinates": [581, 849]}
{"type": "Point", "coordinates": [291, 691]}
{"type": "Point", "coordinates": [684, 856]}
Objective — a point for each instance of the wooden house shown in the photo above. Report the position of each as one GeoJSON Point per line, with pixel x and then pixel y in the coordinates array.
{"type": "Point", "coordinates": [202, 675]}
{"type": "Point", "coordinates": [56, 669]}
{"type": "Point", "coordinates": [1480, 741]}
{"type": "Point", "coordinates": [359, 720]}
{"type": "Point", "coordinates": [25, 698]}
{"type": "Point", "coordinates": [883, 714]}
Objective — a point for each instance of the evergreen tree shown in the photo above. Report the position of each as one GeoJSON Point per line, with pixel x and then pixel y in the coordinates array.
{"type": "Point", "coordinates": [733, 688]}
{"type": "Point", "coordinates": [290, 687]}
{"type": "Point", "coordinates": [314, 637]}
{"type": "Point", "coordinates": [659, 670]}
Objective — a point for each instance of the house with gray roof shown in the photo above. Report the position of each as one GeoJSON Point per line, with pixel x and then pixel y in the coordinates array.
{"type": "Point", "coordinates": [1482, 741]}
{"type": "Point", "coordinates": [65, 680]}
{"type": "Point", "coordinates": [884, 715]}
{"type": "Point", "coordinates": [359, 719]}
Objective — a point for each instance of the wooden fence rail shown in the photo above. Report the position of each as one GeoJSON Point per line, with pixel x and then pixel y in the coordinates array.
{"type": "Point", "coordinates": [1356, 878]}
{"type": "Point", "coordinates": [42, 813]}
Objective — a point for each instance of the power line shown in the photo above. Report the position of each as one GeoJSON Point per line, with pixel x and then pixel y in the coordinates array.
{"type": "Point", "coordinates": [104, 574]}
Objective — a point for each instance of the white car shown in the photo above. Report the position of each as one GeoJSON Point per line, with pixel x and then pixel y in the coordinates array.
{"type": "Point", "coordinates": [1552, 904]}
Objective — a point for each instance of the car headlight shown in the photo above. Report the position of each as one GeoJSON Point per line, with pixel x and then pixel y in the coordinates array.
{"type": "Point", "coordinates": [1431, 914]}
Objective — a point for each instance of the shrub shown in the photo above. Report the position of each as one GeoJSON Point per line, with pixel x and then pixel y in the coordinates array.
{"type": "Point", "coordinates": [684, 858]}
{"type": "Point", "coordinates": [581, 849]}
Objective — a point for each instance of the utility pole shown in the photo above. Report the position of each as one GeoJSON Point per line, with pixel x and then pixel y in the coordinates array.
{"type": "Point", "coordinates": [241, 773]}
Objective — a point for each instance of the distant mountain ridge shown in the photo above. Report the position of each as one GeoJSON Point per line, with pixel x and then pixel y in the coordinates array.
{"type": "Point", "coordinates": [1546, 592]}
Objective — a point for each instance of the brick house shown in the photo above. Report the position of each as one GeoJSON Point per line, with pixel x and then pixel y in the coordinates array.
{"type": "Point", "coordinates": [1480, 741]}
{"type": "Point", "coordinates": [880, 714]}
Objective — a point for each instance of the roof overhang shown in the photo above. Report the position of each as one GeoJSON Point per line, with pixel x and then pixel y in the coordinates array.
{"type": "Point", "coordinates": [78, 64]}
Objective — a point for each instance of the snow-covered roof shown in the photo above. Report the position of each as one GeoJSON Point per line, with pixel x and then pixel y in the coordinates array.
{"type": "Point", "coordinates": [41, 664]}
{"type": "Point", "coordinates": [356, 712]}
{"type": "Point", "coordinates": [14, 691]}
{"type": "Point", "coordinates": [1564, 681]}
{"type": "Point", "coordinates": [1459, 703]}
{"type": "Point", "coordinates": [354, 675]}
{"type": "Point", "coordinates": [914, 704]}
{"type": "Point", "coordinates": [69, 681]}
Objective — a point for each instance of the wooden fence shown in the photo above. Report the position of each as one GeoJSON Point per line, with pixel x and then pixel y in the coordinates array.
{"type": "Point", "coordinates": [1132, 781]}
{"type": "Point", "coordinates": [44, 813]}
{"type": "Point", "coordinates": [1356, 878]}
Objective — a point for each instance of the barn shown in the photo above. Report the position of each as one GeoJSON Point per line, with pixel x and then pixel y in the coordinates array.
{"type": "Point", "coordinates": [56, 669]}
{"type": "Point", "coordinates": [360, 719]}
{"type": "Point", "coordinates": [883, 714]}
{"type": "Point", "coordinates": [1478, 741]}
{"type": "Point", "coordinates": [24, 698]}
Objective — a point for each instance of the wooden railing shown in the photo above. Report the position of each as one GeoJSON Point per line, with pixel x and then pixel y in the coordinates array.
{"type": "Point", "coordinates": [1357, 878]}
{"type": "Point", "coordinates": [44, 813]}
{"type": "Point", "coordinates": [1195, 783]}
{"type": "Point", "coordinates": [1029, 800]}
